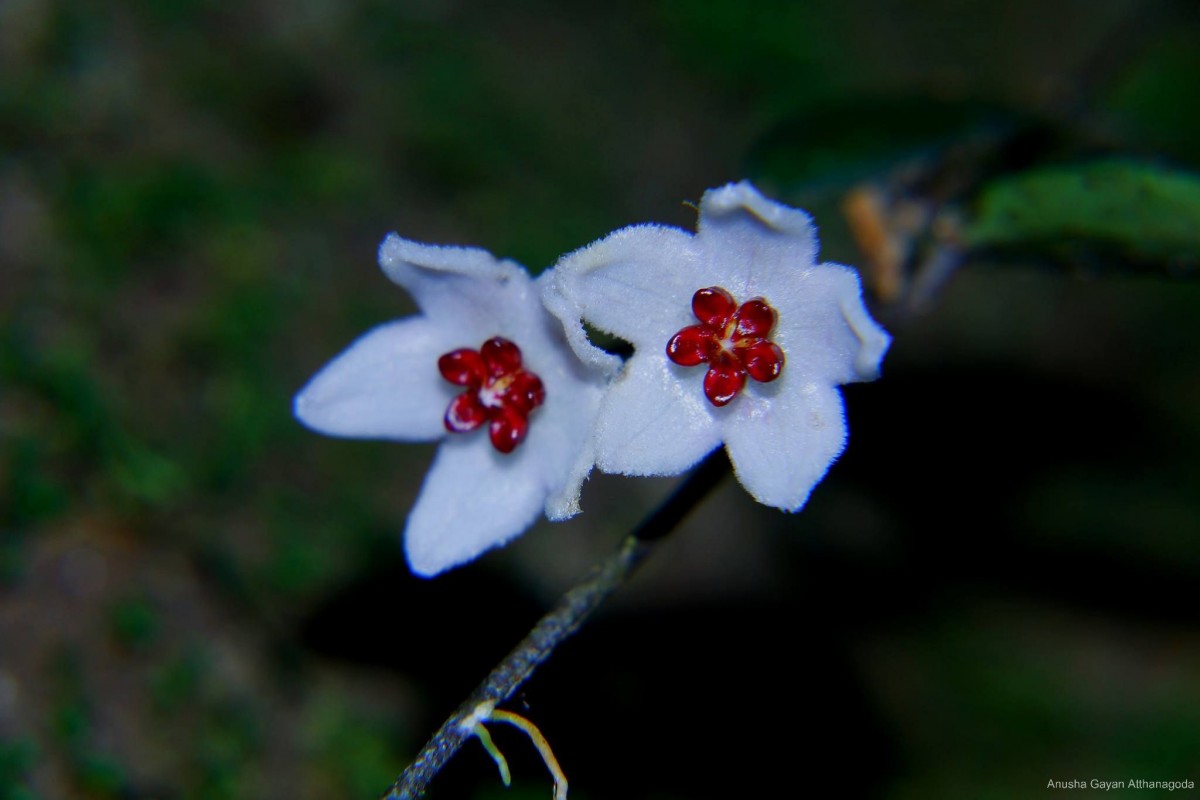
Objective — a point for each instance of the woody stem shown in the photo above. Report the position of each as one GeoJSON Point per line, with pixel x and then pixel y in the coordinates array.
{"type": "Point", "coordinates": [571, 611]}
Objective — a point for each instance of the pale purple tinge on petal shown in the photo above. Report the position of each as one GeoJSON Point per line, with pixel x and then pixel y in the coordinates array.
{"type": "Point", "coordinates": [651, 423]}
{"type": "Point", "coordinates": [473, 499]}
{"type": "Point", "coordinates": [782, 446]}
{"type": "Point", "coordinates": [384, 386]}
{"type": "Point", "coordinates": [753, 241]}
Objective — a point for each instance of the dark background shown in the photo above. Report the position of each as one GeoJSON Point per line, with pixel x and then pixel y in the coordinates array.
{"type": "Point", "coordinates": [994, 587]}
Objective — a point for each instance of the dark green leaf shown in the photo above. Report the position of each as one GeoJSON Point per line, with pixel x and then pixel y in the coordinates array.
{"type": "Point", "coordinates": [1140, 214]}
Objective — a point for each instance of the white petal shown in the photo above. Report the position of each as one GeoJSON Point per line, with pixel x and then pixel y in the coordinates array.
{"type": "Point", "coordinates": [563, 501]}
{"type": "Point", "coordinates": [568, 313]}
{"type": "Point", "coordinates": [560, 430]}
{"type": "Point", "coordinates": [473, 499]}
{"type": "Point", "coordinates": [386, 385]}
{"type": "Point", "coordinates": [782, 445]}
{"type": "Point", "coordinates": [824, 329]}
{"type": "Point", "coordinates": [873, 340]}
{"type": "Point", "coordinates": [560, 436]}
{"type": "Point", "coordinates": [636, 283]}
{"type": "Point", "coordinates": [652, 421]}
{"type": "Point", "coordinates": [453, 282]}
{"type": "Point", "coordinates": [753, 240]}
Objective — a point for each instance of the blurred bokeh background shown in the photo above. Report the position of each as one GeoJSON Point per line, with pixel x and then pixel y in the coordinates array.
{"type": "Point", "coordinates": [994, 587]}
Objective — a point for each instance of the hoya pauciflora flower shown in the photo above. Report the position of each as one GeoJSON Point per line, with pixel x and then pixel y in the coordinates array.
{"type": "Point", "coordinates": [739, 336]}
{"type": "Point", "coordinates": [485, 369]}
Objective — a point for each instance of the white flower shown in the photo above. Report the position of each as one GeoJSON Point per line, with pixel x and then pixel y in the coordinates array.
{"type": "Point", "coordinates": [739, 336]}
{"type": "Point", "coordinates": [482, 354]}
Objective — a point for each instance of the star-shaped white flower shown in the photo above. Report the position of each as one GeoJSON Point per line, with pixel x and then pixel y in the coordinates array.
{"type": "Point", "coordinates": [485, 369]}
{"type": "Point", "coordinates": [740, 337]}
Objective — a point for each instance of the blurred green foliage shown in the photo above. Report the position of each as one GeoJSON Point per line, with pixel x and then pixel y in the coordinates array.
{"type": "Point", "coordinates": [1152, 101]}
{"type": "Point", "coordinates": [135, 622]}
{"type": "Point", "coordinates": [832, 144]}
{"type": "Point", "coordinates": [357, 750]}
{"type": "Point", "coordinates": [998, 714]}
{"type": "Point", "coordinates": [176, 682]}
{"type": "Point", "coordinates": [191, 194]}
{"type": "Point", "coordinates": [17, 758]}
{"type": "Point", "coordinates": [1136, 213]}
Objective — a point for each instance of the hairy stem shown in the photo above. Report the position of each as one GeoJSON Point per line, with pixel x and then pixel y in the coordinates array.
{"type": "Point", "coordinates": [559, 623]}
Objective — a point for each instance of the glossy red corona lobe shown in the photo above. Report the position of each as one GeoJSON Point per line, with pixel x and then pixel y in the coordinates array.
{"type": "Point", "coordinates": [732, 340]}
{"type": "Point", "coordinates": [499, 392]}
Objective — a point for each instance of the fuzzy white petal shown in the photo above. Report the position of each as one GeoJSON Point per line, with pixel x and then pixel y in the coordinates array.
{"type": "Point", "coordinates": [387, 385]}
{"type": "Point", "coordinates": [636, 283]}
{"type": "Point", "coordinates": [873, 339]}
{"type": "Point", "coordinates": [783, 445]}
{"type": "Point", "coordinates": [384, 386]}
{"type": "Point", "coordinates": [752, 241]}
{"type": "Point", "coordinates": [476, 498]}
{"type": "Point", "coordinates": [464, 285]}
{"type": "Point", "coordinates": [823, 326]}
{"type": "Point", "coordinates": [567, 311]}
{"type": "Point", "coordinates": [560, 431]}
{"type": "Point", "coordinates": [563, 499]}
{"type": "Point", "coordinates": [471, 501]}
{"type": "Point", "coordinates": [652, 423]}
